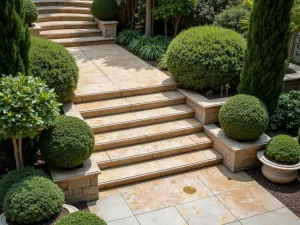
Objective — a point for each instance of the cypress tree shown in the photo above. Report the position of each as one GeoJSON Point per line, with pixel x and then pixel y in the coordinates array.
{"type": "Point", "coordinates": [14, 38]}
{"type": "Point", "coordinates": [267, 50]}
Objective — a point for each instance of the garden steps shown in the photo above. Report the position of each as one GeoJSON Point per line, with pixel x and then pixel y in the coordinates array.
{"type": "Point", "coordinates": [139, 118]}
{"type": "Point", "coordinates": [83, 41]}
{"type": "Point", "coordinates": [70, 33]}
{"type": "Point", "coordinates": [117, 176]}
{"type": "Point", "coordinates": [63, 9]}
{"type": "Point", "coordinates": [45, 17]}
{"type": "Point", "coordinates": [151, 150]}
{"type": "Point", "coordinates": [131, 136]}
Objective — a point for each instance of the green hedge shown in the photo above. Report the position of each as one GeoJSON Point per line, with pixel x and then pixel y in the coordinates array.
{"type": "Point", "coordinates": [244, 118]}
{"type": "Point", "coordinates": [105, 9]}
{"type": "Point", "coordinates": [16, 176]}
{"type": "Point", "coordinates": [206, 57]}
{"type": "Point", "coordinates": [33, 200]}
{"type": "Point", "coordinates": [68, 143]}
{"type": "Point", "coordinates": [31, 13]}
{"type": "Point", "coordinates": [80, 218]}
{"type": "Point", "coordinates": [283, 148]}
{"type": "Point", "coordinates": [54, 64]}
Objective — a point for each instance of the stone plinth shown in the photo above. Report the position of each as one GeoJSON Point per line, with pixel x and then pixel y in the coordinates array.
{"type": "Point", "coordinates": [80, 184]}
{"type": "Point", "coordinates": [206, 110]}
{"type": "Point", "coordinates": [292, 80]}
{"type": "Point", "coordinates": [108, 28]}
{"type": "Point", "coordinates": [35, 29]}
{"type": "Point", "coordinates": [237, 155]}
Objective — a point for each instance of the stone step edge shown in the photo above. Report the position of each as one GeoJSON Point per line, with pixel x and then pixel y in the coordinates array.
{"type": "Point", "coordinates": [189, 114]}
{"type": "Point", "coordinates": [161, 173]}
{"type": "Point", "coordinates": [124, 93]}
{"type": "Point", "coordinates": [165, 153]}
{"type": "Point", "coordinates": [101, 146]}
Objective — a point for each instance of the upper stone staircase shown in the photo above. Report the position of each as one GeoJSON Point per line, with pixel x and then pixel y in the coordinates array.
{"type": "Point", "coordinates": [69, 22]}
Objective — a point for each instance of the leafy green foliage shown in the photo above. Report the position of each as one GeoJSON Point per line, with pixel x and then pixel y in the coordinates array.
{"type": "Point", "coordinates": [136, 44]}
{"type": "Point", "coordinates": [283, 148]}
{"type": "Point", "coordinates": [161, 40]}
{"type": "Point", "coordinates": [81, 218]}
{"type": "Point", "coordinates": [264, 66]}
{"type": "Point", "coordinates": [206, 57]}
{"type": "Point", "coordinates": [26, 105]}
{"type": "Point", "coordinates": [14, 38]}
{"type": "Point", "coordinates": [33, 200]}
{"type": "Point", "coordinates": [152, 51]}
{"type": "Point", "coordinates": [31, 13]}
{"type": "Point", "coordinates": [104, 9]}
{"type": "Point", "coordinates": [68, 143]}
{"type": "Point", "coordinates": [127, 36]}
{"type": "Point", "coordinates": [244, 118]}
{"type": "Point", "coordinates": [162, 62]}
{"type": "Point", "coordinates": [299, 136]}
{"type": "Point", "coordinates": [230, 18]}
{"type": "Point", "coordinates": [16, 176]}
{"type": "Point", "coordinates": [54, 64]}
{"type": "Point", "coordinates": [286, 116]}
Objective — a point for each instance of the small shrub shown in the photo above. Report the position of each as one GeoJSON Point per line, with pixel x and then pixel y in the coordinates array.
{"type": "Point", "coordinates": [31, 13]}
{"type": "Point", "coordinates": [136, 44]}
{"type": "Point", "coordinates": [286, 115]}
{"type": "Point", "coordinates": [80, 218]}
{"type": "Point", "coordinates": [162, 62]}
{"type": "Point", "coordinates": [206, 57]}
{"type": "Point", "coordinates": [33, 200]}
{"type": "Point", "coordinates": [68, 143]}
{"type": "Point", "coordinates": [283, 148]}
{"type": "Point", "coordinates": [54, 64]}
{"type": "Point", "coordinates": [230, 18]}
{"type": "Point", "coordinates": [104, 9]}
{"type": "Point", "coordinates": [152, 51]}
{"type": "Point", "coordinates": [127, 36]}
{"type": "Point", "coordinates": [244, 118]}
{"type": "Point", "coordinates": [16, 176]}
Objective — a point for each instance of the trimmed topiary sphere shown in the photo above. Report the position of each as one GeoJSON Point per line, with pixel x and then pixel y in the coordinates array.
{"type": "Point", "coordinates": [283, 148]}
{"type": "Point", "coordinates": [16, 176]}
{"type": "Point", "coordinates": [104, 9]}
{"type": "Point", "coordinates": [68, 143]}
{"type": "Point", "coordinates": [206, 57]}
{"type": "Point", "coordinates": [244, 118]}
{"type": "Point", "coordinates": [33, 200]}
{"type": "Point", "coordinates": [54, 64]}
{"type": "Point", "coordinates": [80, 218]}
{"type": "Point", "coordinates": [31, 13]}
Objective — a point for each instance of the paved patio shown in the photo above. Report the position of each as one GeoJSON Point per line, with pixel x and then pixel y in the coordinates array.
{"type": "Point", "coordinates": [221, 197]}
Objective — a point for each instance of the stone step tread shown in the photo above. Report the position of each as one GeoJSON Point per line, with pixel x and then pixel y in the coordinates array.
{"type": "Point", "coordinates": [70, 31]}
{"type": "Point", "coordinates": [60, 15]}
{"type": "Point", "coordinates": [129, 101]}
{"type": "Point", "coordinates": [54, 23]}
{"type": "Point", "coordinates": [81, 39]}
{"type": "Point", "coordinates": [138, 116]}
{"type": "Point", "coordinates": [61, 9]}
{"type": "Point", "coordinates": [151, 148]}
{"type": "Point", "coordinates": [62, 1]}
{"type": "Point", "coordinates": [146, 131]}
{"type": "Point", "coordinates": [168, 165]}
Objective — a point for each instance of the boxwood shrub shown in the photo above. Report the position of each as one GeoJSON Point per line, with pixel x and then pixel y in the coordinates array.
{"type": "Point", "coordinates": [244, 118]}
{"type": "Point", "coordinates": [80, 218]}
{"type": "Point", "coordinates": [206, 57]}
{"type": "Point", "coordinates": [68, 143]}
{"type": "Point", "coordinates": [31, 13]}
{"type": "Point", "coordinates": [54, 64]}
{"type": "Point", "coordinates": [104, 9]}
{"type": "Point", "coordinates": [283, 148]}
{"type": "Point", "coordinates": [16, 176]}
{"type": "Point", "coordinates": [33, 200]}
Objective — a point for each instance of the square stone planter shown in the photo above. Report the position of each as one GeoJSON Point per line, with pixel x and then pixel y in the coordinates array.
{"type": "Point", "coordinates": [35, 29]}
{"type": "Point", "coordinates": [108, 28]}
{"type": "Point", "coordinates": [292, 80]}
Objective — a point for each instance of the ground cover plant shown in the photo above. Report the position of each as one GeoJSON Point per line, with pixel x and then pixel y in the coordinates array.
{"type": "Point", "coordinates": [81, 218]}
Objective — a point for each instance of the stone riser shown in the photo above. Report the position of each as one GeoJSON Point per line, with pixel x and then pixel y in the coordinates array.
{"type": "Point", "coordinates": [85, 4]}
{"type": "Point", "coordinates": [85, 43]}
{"type": "Point", "coordinates": [61, 9]}
{"type": "Point", "coordinates": [58, 17]}
{"type": "Point", "coordinates": [68, 26]}
{"type": "Point", "coordinates": [70, 34]}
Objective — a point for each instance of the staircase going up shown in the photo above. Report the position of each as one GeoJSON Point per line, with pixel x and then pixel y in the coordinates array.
{"type": "Point", "coordinates": [69, 23]}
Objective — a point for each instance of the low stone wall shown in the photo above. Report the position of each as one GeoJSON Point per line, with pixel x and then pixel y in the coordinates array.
{"type": "Point", "coordinates": [35, 29]}
{"type": "Point", "coordinates": [108, 28]}
{"type": "Point", "coordinates": [292, 80]}
{"type": "Point", "coordinates": [237, 155]}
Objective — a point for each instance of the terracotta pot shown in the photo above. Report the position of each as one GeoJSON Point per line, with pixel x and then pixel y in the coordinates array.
{"type": "Point", "coordinates": [70, 208]}
{"type": "Point", "coordinates": [277, 173]}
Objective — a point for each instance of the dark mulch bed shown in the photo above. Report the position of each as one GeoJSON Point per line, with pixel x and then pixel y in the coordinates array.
{"type": "Point", "coordinates": [288, 194]}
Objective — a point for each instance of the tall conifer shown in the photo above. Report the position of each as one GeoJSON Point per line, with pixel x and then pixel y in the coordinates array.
{"type": "Point", "coordinates": [267, 50]}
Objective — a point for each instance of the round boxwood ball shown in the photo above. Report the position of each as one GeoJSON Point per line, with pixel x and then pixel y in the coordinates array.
{"type": "Point", "coordinates": [283, 148]}
{"type": "Point", "coordinates": [31, 13]}
{"type": "Point", "coordinates": [244, 118]}
{"type": "Point", "coordinates": [206, 57]}
{"type": "Point", "coordinates": [68, 143]}
{"type": "Point", "coordinates": [105, 9]}
{"type": "Point", "coordinates": [16, 176]}
{"type": "Point", "coordinates": [33, 200]}
{"type": "Point", "coordinates": [80, 218]}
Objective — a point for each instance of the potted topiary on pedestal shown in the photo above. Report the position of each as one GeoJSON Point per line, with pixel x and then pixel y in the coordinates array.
{"type": "Point", "coordinates": [281, 159]}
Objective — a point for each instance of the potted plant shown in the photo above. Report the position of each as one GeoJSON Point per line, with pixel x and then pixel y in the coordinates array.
{"type": "Point", "coordinates": [280, 159]}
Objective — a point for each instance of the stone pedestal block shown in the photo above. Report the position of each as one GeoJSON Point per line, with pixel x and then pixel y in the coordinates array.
{"type": "Point", "coordinates": [35, 29]}
{"type": "Point", "coordinates": [80, 184]}
{"type": "Point", "coordinates": [108, 28]}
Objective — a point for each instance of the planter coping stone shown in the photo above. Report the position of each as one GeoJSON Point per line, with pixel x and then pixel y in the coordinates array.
{"type": "Point", "coordinates": [35, 26]}
{"type": "Point", "coordinates": [69, 109]}
{"type": "Point", "coordinates": [264, 160]}
{"type": "Point", "coordinates": [293, 76]}
{"type": "Point", "coordinates": [108, 22]}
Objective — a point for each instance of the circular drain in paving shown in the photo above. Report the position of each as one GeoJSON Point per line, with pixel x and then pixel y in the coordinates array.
{"type": "Point", "coordinates": [189, 190]}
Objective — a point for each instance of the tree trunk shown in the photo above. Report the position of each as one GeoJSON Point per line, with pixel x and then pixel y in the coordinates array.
{"type": "Point", "coordinates": [176, 21]}
{"type": "Point", "coordinates": [166, 27]}
{"type": "Point", "coordinates": [133, 8]}
{"type": "Point", "coordinates": [16, 153]}
{"type": "Point", "coordinates": [20, 152]}
{"type": "Point", "coordinates": [148, 28]}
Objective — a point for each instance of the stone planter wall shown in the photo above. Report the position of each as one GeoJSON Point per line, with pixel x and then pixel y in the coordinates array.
{"type": "Point", "coordinates": [292, 81]}
{"type": "Point", "coordinates": [108, 28]}
{"type": "Point", "coordinates": [35, 29]}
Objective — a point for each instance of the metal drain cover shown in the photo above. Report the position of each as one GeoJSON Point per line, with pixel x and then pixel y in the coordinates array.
{"type": "Point", "coordinates": [189, 190]}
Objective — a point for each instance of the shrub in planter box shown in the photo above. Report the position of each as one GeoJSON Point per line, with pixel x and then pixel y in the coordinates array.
{"type": "Point", "coordinates": [80, 218]}
{"type": "Point", "coordinates": [104, 9]}
{"type": "Point", "coordinates": [31, 13]}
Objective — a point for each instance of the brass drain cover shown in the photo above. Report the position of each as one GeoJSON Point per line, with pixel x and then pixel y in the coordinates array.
{"type": "Point", "coordinates": [189, 190]}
